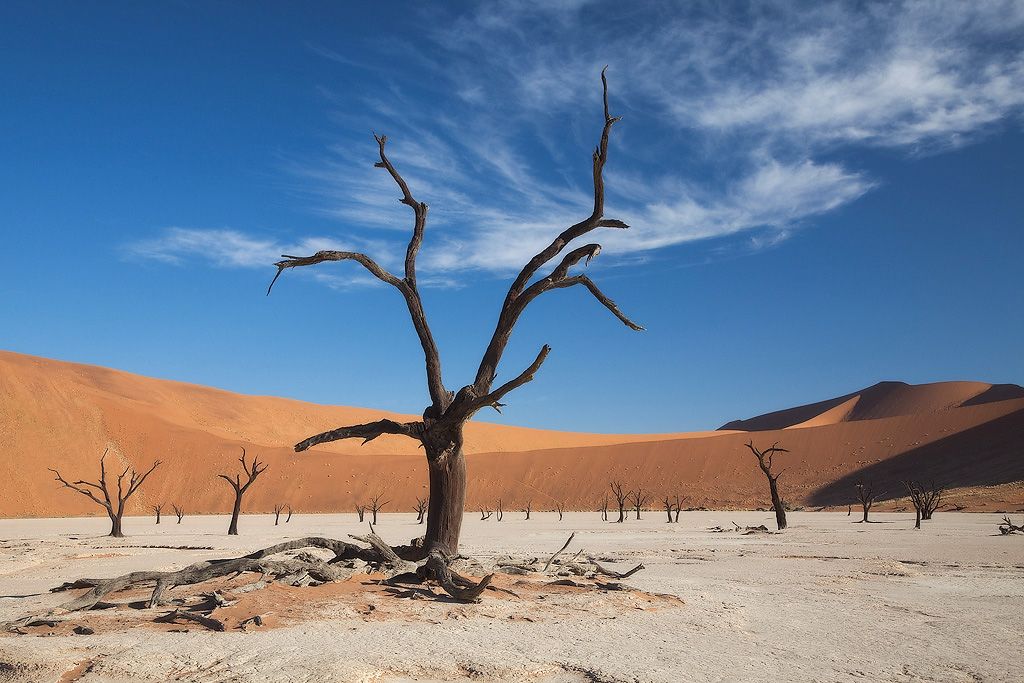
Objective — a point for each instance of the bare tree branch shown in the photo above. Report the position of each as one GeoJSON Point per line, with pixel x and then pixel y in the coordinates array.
{"type": "Point", "coordinates": [367, 432]}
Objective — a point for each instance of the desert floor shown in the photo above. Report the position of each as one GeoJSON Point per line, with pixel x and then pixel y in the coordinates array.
{"type": "Point", "coordinates": [827, 600]}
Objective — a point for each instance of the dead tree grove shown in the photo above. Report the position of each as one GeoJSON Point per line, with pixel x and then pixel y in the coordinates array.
{"type": "Point", "coordinates": [101, 494]}
{"type": "Point", "coordinates": [158, 509]}
{"type": "Point", "coordinates": [764, 461]}
{"type": "Point", "coordinates": [866, 495]}
{"type": "Point", "coordinates": [251, 472]}
{"type": "Point", "coordinates": [179, 512]}
{"type": "Point", "coordinates": [440, 431]}
{"type": "Point", "coordinates": [621, 498]}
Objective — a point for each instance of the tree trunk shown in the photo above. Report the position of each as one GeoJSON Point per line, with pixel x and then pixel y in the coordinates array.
{"type": "Point", "coordinates": [865, 513]}
{"type": "Point", "coordinates": [780, 511]}
{"type": "Point", "coordinates": [447, 498]}
{"type": "Point", "coordinates": [115, 526]}
{"type": "Point", "coordinates": [233, 528]}
{"type": "Point", "coordinates": [917, 523]}
{"type": "Point", "coordinates": [157, 516]}
{"type": "Point", "coordinates": [374, 513]}
{"type": "Point", "coordinates": [622, 514]}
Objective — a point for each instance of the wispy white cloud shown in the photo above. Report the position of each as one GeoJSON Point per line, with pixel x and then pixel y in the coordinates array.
{"type": "Point", "coordinates": [730, 114]}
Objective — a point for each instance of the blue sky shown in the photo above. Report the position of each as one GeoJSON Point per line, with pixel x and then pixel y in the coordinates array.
{"type": "Point", "coordinates": [822, 196]}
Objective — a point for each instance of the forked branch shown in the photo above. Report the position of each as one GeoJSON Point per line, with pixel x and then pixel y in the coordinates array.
{"type": "Point", "coordinates": [367, 432]}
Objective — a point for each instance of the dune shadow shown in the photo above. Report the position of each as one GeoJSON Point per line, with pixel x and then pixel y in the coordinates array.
{"type": "Point", "coordinates": [986, 455]}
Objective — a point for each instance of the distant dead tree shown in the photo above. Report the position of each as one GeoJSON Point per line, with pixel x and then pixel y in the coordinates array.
{"type": "Point", "coordinates": [559, 508]}
{"type": "Point", "coordinates": [114, 505]}
{"type": "Point", "coordinates": [639, 500]}
{"type": "Point", "coordinates": [679, 508]}
{"type": "Point", "coordinates": [669, 507]}
{"type": "Point", "coordinates": [529, 505]}
{"type": "Point", "coordinates": [866, 494]}
{"type": "Point", "coordinates": [250, 473]}
{"type": "Point", "coordinates": [158, 509]}
{"type": "Point", "coordinates": [484, 516]}
{"type": "Point", "coordinates": [179, 512]}
{"type": "Point", "coordinates": [361, 511]}
{"type": "Point", "coordinates": [376, 506]}
{"type": "Point", "coordinates": [498, 511]}
{"type": "Point", "coordinates": [621, 496]}
{"type": "Point", "coordinates": [764, 461]}
{"type": "Point", "coordinates": [925, 498]}
{"type": "Point", "coordinates": [289, 518]}
{"type": "Point", "coordinates": [421, 510]}
{"type": "Point", "coordinates": [278, 509]}
{"type": "Point", "coordinates": [440, 431]}
{"type": "Point", "coordinates": [604, 509]}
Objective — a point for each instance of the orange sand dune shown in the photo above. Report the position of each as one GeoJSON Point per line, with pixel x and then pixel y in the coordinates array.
{"type": "Point", "coordinates": [885, 399]}
{"type": "Point", "coordinates": [56, 414]}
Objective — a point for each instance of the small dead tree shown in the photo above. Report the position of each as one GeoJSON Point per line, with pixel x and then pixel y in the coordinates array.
{"type": "Point", "coordinates": [251, 472]}
{"type": "Point", "coordinates": [421, 509]}
{"type": "Point", "coordinates": [764, 461]}
{"type": "Point", "coordinates": [112, 503]}
{"type": "Point", "coordinates": [289, 518]}
{"type": "Point", "coordinates": [498, 511]}
{"type": "Point", "coordinates": [559, 508]}
{"type": "Point", "coordinates": [604, 509]}
{"type": "Point", "coordinates": [1007, 527]}
{"type": "Point", "coordinates": [925, 498]}
{"type": "Point", "coordinates": [376, 506]}
{"type": "Point", "coordinates": [621, 497]}
{"type": "Point", "coordinates": [484, 516]}
{"type": "Point", "coordinates": [679, 508]}
{"type": "Point", "coordinates": [179, 512]}
{"type": "Point", "coordinates": [361, 511]}
{"type": "Point", "coordinates": [669, 508]}
{"type": "Point", "coordinates": [639, 500]}
{"type": "Point", "coordinates": [529, 505]}
{"type": "Point", "coordinates": [866, 494]}
{"type": "Point", "coordinates": [158, 509]}
{"type": "Point", "coordinates": [278, 509]}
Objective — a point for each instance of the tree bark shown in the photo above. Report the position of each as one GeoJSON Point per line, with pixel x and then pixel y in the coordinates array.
{"type": "Point", "coordinates": [447, 500]}
{"type": "Point", "coordinates": [115, 526]}
{"type": "Point", "coordinates": [233, 527]}
{"type": "Point", "coordinates": [780, 511]}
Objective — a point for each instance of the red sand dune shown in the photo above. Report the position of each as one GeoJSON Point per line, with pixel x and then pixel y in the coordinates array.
{"type": "Point", "coordinates": [56, 414]}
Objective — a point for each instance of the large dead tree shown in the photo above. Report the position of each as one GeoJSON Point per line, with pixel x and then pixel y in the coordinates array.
{"type": "Point", "coordinates": [764, 461]}
{"type": "Point", "coordinates": [925, 498]}
{"type": "Point", "coordinates": [621, 498]}
{"type": "Point", "coordinates": [251, 472]}
{"type": "Point", "coordinates": [866, 494]}
{"type": "Point", "coordinates": [440, 431]}
{"type": "Point", "coordinates": [112, 502]}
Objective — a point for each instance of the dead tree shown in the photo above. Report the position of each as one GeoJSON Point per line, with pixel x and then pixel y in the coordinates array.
{"type": "Point", "coordinates": [440, 431]}
{"type": "Point", "coordinates": [250, 473]}
{"type": "Point", "coordinates": [764, 461]}
{"type": "Point", "coordinates": [1007, 527]}
{"type": "Point", "coordinates": [604, 509]}
{"type": "Point", "coordinates": [278, 509]}
{"type": "Point", "coordinates": [421, 510]}
{"type": "Point", "coordinates": [361, 511]}
{"type": "Point", "coordinates": [484, 516]}
{"type": "Point", "coordinates": [113, 504]}
{"type": "Point", "coordinates": [376, 506]}
{"type": "Point", "coordinates": [639, 500]}
{"type": "Point", "coordinates": [679, 508]}
{"type": "Point", "coordinates": [925, 498]}
{"type": "Point", "coordinates": [289, 518]}
{"type": "Point", "coordinates": [669, 508]}
{"type": "Point", "coordinates": [866, 495]}
{"type": "Point", "coordinates": [179, 512]}
{"type": "Point", "coordinates": [559, 508]}
{"type": "Point", "coordinates": [158, 509]}
{"type": "Point", "coordinates": [498, 511]}
{"type": "Point", "coordinates": [621, 496]}
{"type": "Point", "coordinates": [529, 505]}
